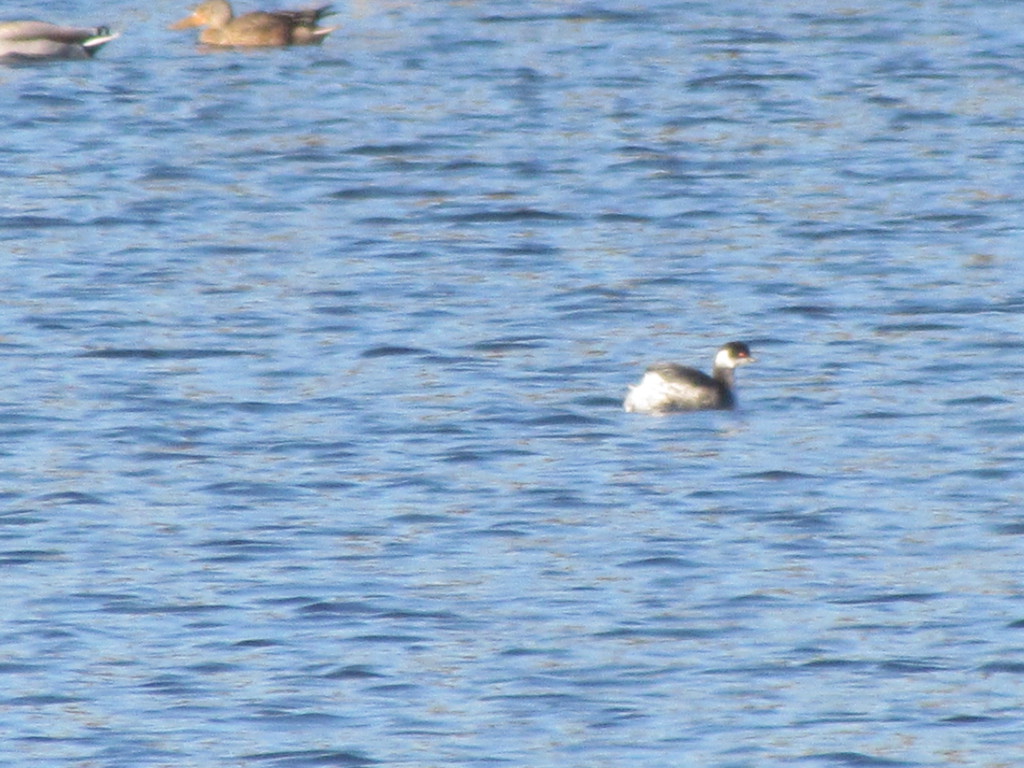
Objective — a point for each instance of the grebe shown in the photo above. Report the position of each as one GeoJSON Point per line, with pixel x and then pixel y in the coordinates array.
{"type": "Point", "coordinates": [668, 387]}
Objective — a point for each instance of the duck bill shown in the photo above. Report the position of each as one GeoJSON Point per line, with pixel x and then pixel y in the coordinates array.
{"type": "Point", "coordinates": [189, 21]}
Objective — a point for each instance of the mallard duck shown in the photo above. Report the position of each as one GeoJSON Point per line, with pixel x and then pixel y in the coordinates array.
{"type": "Point", "coordinates": [29, 40]}
{"type": "Point", "coordinates": [668, 387]}
{"type": "Point", "coordinates": [259, 28]}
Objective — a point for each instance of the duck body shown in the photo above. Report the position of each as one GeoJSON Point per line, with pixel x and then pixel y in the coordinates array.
{"type": "Point", "coordinates": [667, 387]}
{"type": "Point", "coordinates": [256, 29]}
{"type": "Point", "coordinates": [32, 40]}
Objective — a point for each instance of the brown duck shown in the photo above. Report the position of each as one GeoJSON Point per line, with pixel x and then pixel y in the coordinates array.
{"type": "Point", "coordinates": [259, 28]}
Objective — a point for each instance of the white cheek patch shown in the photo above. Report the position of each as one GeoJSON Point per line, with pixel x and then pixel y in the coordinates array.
{"type": "Point", "coordinates": [724, 360]}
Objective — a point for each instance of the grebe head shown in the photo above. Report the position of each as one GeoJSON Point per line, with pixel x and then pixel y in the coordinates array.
{"type": "Point", "coordinates": [733, 354]}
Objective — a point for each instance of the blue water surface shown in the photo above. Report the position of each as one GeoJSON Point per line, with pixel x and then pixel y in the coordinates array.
{"type": "Point", "coordinates": [312, 370]}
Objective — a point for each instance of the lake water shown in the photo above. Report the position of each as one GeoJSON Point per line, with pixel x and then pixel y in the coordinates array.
{"type": "Point", "coordinates": [313, 363]}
